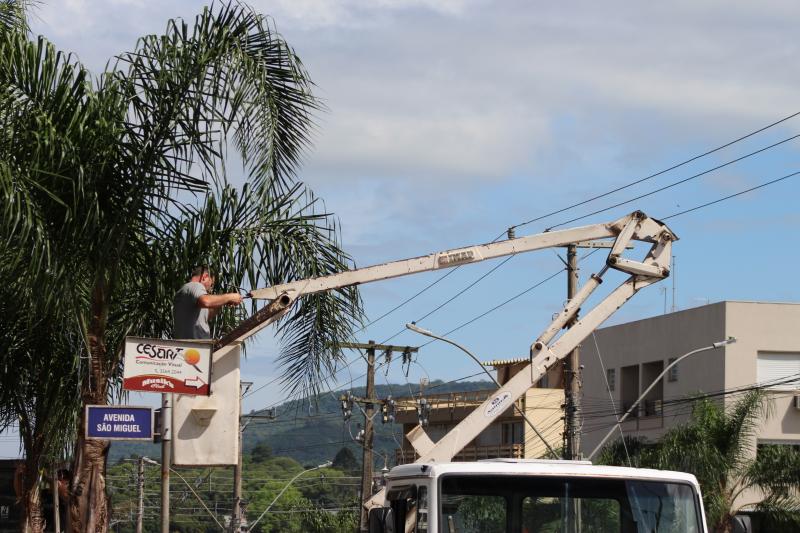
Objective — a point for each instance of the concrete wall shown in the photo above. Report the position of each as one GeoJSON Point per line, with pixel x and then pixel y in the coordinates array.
{"type": "Point", "coordinates": [765, 327]}
{"type": "Point", "coordinates": [543, 409]}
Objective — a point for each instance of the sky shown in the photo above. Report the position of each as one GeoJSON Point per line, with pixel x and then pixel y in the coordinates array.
{"type": "Point", "coordinates": [448, 121]}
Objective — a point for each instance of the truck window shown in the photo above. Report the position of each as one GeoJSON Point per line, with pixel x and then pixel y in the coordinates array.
{"type": "Point", "coordinates": [403, 503]}
{"type": "Point", "coordinates": [474, 513]}
{"type": "Point", "coordinates": [422, 509]}
{"type": "Point", "coordinates": [548, 514]}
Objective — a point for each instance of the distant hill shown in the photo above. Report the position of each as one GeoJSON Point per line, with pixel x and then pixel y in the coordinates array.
{"type": "Point", "coordinates": [312, 431]}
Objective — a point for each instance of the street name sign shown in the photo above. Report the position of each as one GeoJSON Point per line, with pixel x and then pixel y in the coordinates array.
{"type": "Point", "coordinates": [159, 365]}
{"type": "Point", "coordinates": [119, 422]}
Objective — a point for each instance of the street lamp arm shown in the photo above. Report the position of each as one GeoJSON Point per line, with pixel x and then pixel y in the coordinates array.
{"type": "Point", "coordinates": [713, 346]}
{"type": "Point", "coordinates": [417, 329]}
{"type": "Point", "coordinates": [323, 465]}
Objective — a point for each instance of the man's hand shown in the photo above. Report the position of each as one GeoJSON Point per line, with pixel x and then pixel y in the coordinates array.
{"type": "Point", "coordinates": [234, 299]}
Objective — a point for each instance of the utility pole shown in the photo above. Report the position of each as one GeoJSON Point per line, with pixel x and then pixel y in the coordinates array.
{"type": "Point", "coordinates": [236, 512]}
{"type": "Point", "coordinates": [572, 390]}
{"type": "Point", "coordinates": [369, 413]}
{"type": "Point", "coordinates": [140, 484]}
{"type": "Point", "coordinates": [166, 457]}
{"type": "Point", "coordinates": [572, 363]}
{"type": "Point", "coordinates": [366, 459]}
{"type": "Point", "coordinates": [572, 369]}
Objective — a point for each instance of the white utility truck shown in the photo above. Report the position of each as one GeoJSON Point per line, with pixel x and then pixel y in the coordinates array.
{"type": "Point", "coordinates": [435, 495]}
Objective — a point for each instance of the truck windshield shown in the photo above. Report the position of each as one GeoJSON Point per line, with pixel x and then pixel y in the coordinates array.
{"type": "Point", "coordinates": [531, 504]}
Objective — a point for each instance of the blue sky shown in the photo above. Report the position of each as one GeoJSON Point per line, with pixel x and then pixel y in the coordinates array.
{"type": "Point", "coordinates": [450, 120]}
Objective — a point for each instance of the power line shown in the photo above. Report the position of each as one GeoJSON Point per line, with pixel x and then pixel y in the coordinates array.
{"type": "Point", "coordinates": [675, 183]}
{"type": "Point", "coordinates": [456, 295]}
{"type": "Point", "coordinates": [659, 173]}
{"type": "Point", "coordinates": [751, 189]}
{"type": "Point", "coordinates": [498, 306]}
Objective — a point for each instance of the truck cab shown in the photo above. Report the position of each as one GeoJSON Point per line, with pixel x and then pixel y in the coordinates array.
{"type": "Point", "coordinates": [537, 496]}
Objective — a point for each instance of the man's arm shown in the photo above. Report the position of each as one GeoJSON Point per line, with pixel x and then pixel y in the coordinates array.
{"type": "Point", "coordinates": [213, 302]}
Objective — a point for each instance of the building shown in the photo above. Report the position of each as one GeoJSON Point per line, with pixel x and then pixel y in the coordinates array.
{"type": "Point", "coordinates": [767, 352]}
{"type": "Point", "coordinates": [621, 361]}
{"type": "Point", "coordinates": [508, 436]}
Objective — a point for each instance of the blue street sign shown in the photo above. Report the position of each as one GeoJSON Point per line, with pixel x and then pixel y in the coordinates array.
{"type": "Point", "coordinates": [119, 422]}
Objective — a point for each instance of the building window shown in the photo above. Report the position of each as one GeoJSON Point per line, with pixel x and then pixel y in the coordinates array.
{"type": "Point", "coordinates": [512, 433]}
{"type": "Point", "coordinates": [629, 388]}
{"type": "Point", "coordinates": [653, 400]}
{"type": "Point", "coordinates": [778, 370]}
{"type": "Point", "coordinates": [611, 378]}
{"type": "Point", "coordinates": [673, 372]}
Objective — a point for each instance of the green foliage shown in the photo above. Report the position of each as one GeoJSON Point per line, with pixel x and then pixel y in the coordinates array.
{"type": "Point", "coordinates": [319, 521]}
{"type": "Point", "coordinates": [260, 453]}
{"type": "Point", "coordinates": [13, 15]}
{"type": "Point", "coordinates": [717, 445]}
{"type": "Point", "coordinates": [322, 500]}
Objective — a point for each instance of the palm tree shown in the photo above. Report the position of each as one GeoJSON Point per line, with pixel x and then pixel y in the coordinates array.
{"type": "Point", "coordinates": [113, 189]}
{"type": "Point", "coordinates": [717, 446]}
{"type": "Point", "coordinates": [13, 15]}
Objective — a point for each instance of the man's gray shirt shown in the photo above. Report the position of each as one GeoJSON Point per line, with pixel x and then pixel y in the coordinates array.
{"type": "Point", "coordinates": [191, 321]}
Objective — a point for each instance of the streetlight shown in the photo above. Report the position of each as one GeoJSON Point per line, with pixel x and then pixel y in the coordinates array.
{"type": "Point", "coordinates": [415, 328]}
{"type": "Point", "coordinates": [323, 465]}
{"type": "Point", "coordinates": [714, 346]}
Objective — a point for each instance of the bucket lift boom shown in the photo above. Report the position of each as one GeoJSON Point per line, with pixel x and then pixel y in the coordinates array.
{"type": "Point", "coordinates": [544, 352]}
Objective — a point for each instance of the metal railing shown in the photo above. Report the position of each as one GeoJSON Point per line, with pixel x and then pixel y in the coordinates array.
{"type": "Point", "coordinates": [452, 400]}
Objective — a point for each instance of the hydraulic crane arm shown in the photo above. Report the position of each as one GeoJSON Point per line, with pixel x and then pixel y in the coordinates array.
{"type": "Point", "coordinates": [543, 353]}
{"type": "Point", "coordinates": [634, 227]}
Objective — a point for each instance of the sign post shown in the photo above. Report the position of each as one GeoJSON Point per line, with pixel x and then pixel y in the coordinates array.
{"type": "Point", "coordinates": [119, 422]}
{"type": "Point", "coordinates": [160, 365]}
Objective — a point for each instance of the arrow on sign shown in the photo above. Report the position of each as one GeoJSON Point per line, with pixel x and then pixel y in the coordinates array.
{"type": "Point", "coordinates": [195, 382]}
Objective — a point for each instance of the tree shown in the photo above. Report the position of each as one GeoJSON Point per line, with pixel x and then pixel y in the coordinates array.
{"type": "Point", "coordinates": [261, 452]}
{"type": "Point", "coordinates": [345, 460]}
{"type": "Point", "coordinates": [114, 188]}
{"type": "Point", "coordinates": [717, 446]}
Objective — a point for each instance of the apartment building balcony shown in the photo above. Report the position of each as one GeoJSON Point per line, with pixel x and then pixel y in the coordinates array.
{"type": "Point", "coordinates": [451, 402]}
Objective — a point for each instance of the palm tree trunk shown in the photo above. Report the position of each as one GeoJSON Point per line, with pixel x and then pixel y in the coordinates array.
{"type": "Point", "coordinates": [88, 506]}
{"type": "Point", "coordinates": [32, 520]}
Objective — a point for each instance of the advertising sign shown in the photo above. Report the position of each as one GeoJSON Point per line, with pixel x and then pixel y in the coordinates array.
{"type": "Point", "coordinates": [159, 365]}
{"type": "Point", "coordinates": [119, 422]}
